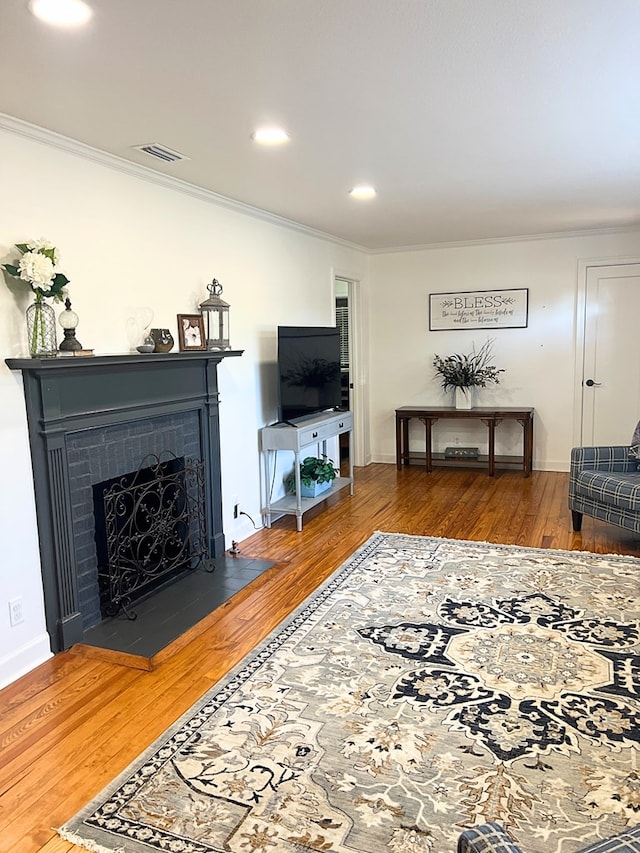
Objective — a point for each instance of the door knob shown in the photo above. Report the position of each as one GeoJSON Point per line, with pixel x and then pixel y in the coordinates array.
{"type": "Point", "coordinates": [590, 383]}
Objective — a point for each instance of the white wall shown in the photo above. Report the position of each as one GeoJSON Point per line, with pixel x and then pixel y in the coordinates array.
{"type": "Point", "coordinates": [539, 360]}
{"type": "Point", "coordinates": [128, 242]}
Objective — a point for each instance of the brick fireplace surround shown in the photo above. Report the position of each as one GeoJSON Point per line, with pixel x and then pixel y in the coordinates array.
{"type": "Point", "coordinates": [95, 418]}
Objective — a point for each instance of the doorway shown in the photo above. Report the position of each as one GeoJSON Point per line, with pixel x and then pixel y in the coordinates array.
{"type": "Point", "coordinates": [350, 317]}
{"type": "Point", "coordinates": [342, 309]}
{"type": "Point", "coordinates": [609, 376]}
{"type": "Point", "coordinates": [342, 322]}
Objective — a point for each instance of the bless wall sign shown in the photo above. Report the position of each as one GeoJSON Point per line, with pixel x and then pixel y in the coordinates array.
{"type": "Point", "coordinates": [479, 309]}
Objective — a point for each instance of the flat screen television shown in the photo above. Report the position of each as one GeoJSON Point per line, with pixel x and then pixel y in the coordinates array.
{"type": "Point", "coordinates": [308, 371]}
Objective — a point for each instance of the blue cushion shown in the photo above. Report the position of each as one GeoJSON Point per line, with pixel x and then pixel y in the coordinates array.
{"type": "Point", "coordinates": [634, 450]}
{"type": "Point", "coordinates": [624, 842]}
{"type": "Point", "coordinates": [491, 838]}
{"type": "Point", "coordinates": [616, 489]}
{"type": "Point", "coordinates": [487, 838]}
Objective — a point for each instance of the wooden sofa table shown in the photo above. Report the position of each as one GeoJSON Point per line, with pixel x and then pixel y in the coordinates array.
{"type": "Point", "coordinates": [490, 417]}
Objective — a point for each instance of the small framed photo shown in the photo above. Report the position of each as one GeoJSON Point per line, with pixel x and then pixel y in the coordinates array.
{"type": "Point", "coordinates": [191, 332]}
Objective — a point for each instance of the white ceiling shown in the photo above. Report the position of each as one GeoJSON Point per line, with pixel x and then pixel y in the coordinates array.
{"type": "Point", "coordinates": [474, 119]}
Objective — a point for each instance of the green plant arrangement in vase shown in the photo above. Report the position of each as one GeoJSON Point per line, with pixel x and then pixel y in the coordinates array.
{"type": "Point", "coordinates": [463, 372]}
{"type": "Point", "coordinates": [38, 267]}
{"type": "Point", "coordinates": [316, 476]}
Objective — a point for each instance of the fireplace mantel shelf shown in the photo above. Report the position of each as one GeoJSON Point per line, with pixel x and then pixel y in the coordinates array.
{"type": "Point", "coordinates": [136, 359]}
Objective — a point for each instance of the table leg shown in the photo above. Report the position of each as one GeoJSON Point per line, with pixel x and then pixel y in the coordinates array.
{"type": "Point", "coordinates": [527, 445]}
{"type": "Point", "coordinates": [427, 436]}
{"type": "Point", "coordinates": [492, 446]}
{"type": "Point", "coordinates": [267, 466]}
{"type": "Point", "coordinates": [350, 434]}
{"type": "Point", "coordinates": [402, 442]}
{"type": "Point", "coordinates": [296, 457]}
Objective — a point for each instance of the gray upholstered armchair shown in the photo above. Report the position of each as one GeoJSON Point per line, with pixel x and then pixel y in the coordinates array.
{"type": "Point", "coordinates": [604, 482]}
{"type": "Point", "coordinates": [491, 838]}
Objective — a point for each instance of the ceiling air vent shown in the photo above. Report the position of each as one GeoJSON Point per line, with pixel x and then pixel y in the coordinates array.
{"type": "Point", "coordinates": [161, 152]}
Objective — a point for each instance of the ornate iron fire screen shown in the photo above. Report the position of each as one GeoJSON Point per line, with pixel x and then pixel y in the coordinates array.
{"type": "Point", "coordinates": [155, 529]}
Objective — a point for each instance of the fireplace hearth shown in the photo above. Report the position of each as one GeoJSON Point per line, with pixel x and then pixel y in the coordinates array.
{"type": "Point", "coordinates": [94, 420]}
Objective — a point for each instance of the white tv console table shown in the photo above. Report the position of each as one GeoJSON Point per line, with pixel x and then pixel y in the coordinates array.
{"type": "Point", "coordinates": [315, 430]}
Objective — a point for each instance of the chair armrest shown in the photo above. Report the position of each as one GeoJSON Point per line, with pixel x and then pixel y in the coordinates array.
{"type": "Point", "coordinates": [611, 458]}
{"type": "Point", "coordinates": [486, 838]}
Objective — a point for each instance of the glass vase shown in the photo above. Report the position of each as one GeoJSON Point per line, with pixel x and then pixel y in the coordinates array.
{"type": "Point", "coordinates": [41, 329]}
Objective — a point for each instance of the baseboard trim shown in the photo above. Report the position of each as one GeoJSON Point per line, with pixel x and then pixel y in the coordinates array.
{"type": "Point", "coordinates": [21, 661]}
{"type": "Point", "coordinates": [557, 465]}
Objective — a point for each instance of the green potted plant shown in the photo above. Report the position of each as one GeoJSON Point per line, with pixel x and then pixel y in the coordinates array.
{"type": "Point", "coordinates": [462, 372]}
{"type": "Point", "coordinates": [316, 476]}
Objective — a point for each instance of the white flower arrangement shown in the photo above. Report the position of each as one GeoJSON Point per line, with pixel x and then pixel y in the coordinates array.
{"type": "Point", "coordinates": [38, 266]}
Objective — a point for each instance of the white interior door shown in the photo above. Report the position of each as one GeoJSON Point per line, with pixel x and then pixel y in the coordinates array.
{"type": "Point", "coordinates": [611, 364]}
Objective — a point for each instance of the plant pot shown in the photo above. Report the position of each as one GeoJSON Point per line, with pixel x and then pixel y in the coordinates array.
{"type": "Point", "coordinates": [463, 398]}
{"type": "Point", "coordinates": [314, 489]}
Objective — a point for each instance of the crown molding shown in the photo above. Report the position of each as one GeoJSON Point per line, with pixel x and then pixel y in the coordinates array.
{"type": "Point", "coordinates": [627, 227]}
{"type": "Point", "coordinates": [80, 149]}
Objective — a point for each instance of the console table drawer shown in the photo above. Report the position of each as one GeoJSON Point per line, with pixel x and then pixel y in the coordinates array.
{"type": "Point", "coordinates": [323, 431]}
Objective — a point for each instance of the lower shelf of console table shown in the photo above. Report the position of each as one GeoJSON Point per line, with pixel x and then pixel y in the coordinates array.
{"type": "Point", "coordinates": [311, 431]}
{"type": "Point", "coordinates": [288, 505]}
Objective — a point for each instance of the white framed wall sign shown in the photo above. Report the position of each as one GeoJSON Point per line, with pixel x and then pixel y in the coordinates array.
{"type": "Point", "coordinates": [479, 309]}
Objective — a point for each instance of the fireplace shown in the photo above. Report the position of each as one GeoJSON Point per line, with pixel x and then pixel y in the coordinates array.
{"type": "Point", "coordinates": [92, 421]}
{"type": "Point", "coordinates": [149, 531]}
{"type": "Point", "coordinates": [98, 460]}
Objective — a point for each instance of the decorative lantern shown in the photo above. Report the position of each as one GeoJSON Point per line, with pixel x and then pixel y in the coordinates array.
{"type": "Point", "coordinates": [68, 319]}
{"type": "Point", "coordinates": [215, 314]}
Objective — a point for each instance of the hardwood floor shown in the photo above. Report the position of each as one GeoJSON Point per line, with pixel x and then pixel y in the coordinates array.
{"type": "Point", "coordinates": [69, 727]}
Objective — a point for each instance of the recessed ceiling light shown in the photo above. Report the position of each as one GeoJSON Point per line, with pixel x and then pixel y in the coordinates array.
{"type": "Point", "coordinates": [270, 136]}
{"type": "Point", "coordinates": [61, 13]}
{"type": "Point", "coordinates": [362, 191]}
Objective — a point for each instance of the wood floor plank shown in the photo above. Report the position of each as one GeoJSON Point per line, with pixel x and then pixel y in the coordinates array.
{"type": "Point", "coordinates": [57, 845]}
{"type": "Point", "coordinates": [73, 724]}
{"type": "Point", "coordinates": [37, 694]}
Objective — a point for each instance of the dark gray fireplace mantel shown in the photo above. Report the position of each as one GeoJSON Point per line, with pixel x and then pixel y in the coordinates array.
{"type": "Point", "coordinates": [70, 394]}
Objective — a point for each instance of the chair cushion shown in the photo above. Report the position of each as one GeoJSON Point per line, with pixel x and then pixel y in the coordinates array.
{"type": "Point", "coordinates": [491, 838]}
{"type": "Point", "coordinates": [624, 842]}
{"type": "Point", "coordinates": [634, 449]}
{"type": "Point", "coordinates": [486, 838]}
{"type": "Point", "coordinates": [615, 489]}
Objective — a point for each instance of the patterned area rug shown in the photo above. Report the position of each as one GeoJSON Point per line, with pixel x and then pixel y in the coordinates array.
{"type": "Point", "coordinates": [427, 686]}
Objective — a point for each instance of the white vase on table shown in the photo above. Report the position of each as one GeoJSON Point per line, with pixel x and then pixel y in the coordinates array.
{"type": "Point", "coordinates": [462, 398]}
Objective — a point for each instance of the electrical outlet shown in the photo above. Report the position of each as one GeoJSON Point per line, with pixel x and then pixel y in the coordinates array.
{"type": "Point", "coordinates": [16, 616]}
{"type": "Point", "coordinates": [236, 510]}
